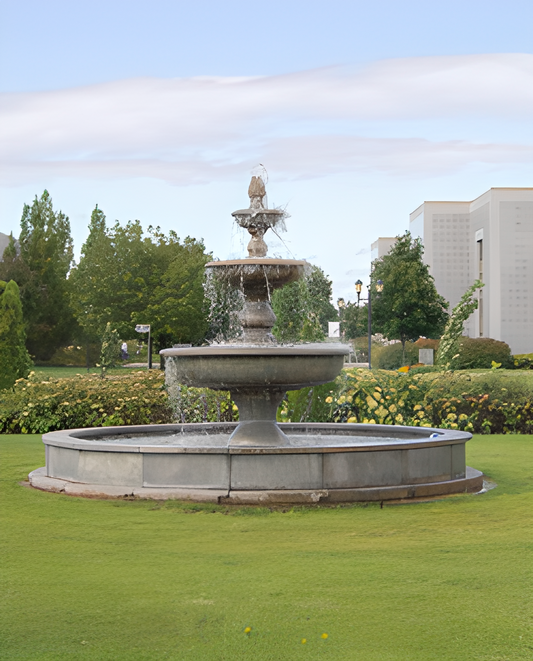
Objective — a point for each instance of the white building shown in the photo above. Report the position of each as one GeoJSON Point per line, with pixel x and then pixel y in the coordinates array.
{"type": "Point", "coordinates": [381, 247]}
{"type": "Point", "coordinates": [490, 238]}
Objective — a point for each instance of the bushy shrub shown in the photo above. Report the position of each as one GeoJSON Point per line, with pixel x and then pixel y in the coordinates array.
{"type": "Point", "coordinates": [306, 405]}
{"type": "Point", "coordinates": [72, 356]}
{"type": "Point", "coordinates": [480, 352]}
{"type": "Point", "coordinates": [390, 357]}
{"type": "Point", "coordinates": [481, 402]}
{"type": "Point", "coordinates": [522, 362]}
{"type": "Point", "coordinates": [35, 406]}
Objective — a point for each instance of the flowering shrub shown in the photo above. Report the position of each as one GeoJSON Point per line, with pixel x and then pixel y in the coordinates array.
{"type": "Point", "coordinates": [522, 362]}
{"type": "Point", "coordinates": [35, 406]}
{"type": "Point", "coordinates": [479, 403]}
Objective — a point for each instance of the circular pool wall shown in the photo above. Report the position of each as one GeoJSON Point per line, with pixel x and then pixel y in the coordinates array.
{"type": "Point", "coordinates": [324, 463]}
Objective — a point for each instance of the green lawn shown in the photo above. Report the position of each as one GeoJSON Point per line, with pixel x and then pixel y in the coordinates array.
{"type": "Point", "coordinates": [67, 372]}
{"type": "Point", "coordinates": [113, 580]}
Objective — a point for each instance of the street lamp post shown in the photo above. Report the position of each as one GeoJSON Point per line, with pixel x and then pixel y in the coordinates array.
{"type": "Point", "coordinates": [379, 289]}
{"type": "Point", "coordinates": [146, 328]}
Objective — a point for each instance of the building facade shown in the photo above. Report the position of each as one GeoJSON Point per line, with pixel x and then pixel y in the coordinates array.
{"type": "Point", "coordinates": [490, 239]}
{"type": "Point", "coordinates": [381, 247]}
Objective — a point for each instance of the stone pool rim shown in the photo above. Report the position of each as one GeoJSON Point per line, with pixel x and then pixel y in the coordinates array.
{"type": "Point", "coordinates": [87, 438]}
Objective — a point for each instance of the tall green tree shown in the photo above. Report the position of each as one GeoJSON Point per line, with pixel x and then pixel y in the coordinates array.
{"type": "Point", "coordinates": [320, 291]}
{"type": "Point", "coordinates": [15, 361]}
{"type": "Point", "coordinates": [40, 268]}
{"type": "Point", "coordinates": [354, 320]}
{"type": "Point", "coordinates": [409, 305]}
{"type": "Point", "coordinates": [303, 308]}
{"type": "Point", "coordinates": [126, 277]}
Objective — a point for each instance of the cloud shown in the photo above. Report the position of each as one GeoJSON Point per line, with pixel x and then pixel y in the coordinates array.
{"type": "Point", "coordinates": [302, 125]}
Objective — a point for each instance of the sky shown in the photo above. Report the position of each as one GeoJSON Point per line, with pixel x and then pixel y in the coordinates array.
{"type": "Point", "coordinates": [161, 110]}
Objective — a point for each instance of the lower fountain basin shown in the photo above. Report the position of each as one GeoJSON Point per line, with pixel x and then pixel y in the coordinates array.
{"type": "Point", "coordinates": [323, 463]}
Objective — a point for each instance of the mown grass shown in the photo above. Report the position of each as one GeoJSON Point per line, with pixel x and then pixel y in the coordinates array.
{"type": "Point", "coordinates": [98, 580]}
{"type": "Point", "coordinates": [46, 372]}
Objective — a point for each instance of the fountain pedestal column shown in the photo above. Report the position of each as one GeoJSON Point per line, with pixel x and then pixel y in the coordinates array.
{"type": "Point", "coordinates": [257, 417]}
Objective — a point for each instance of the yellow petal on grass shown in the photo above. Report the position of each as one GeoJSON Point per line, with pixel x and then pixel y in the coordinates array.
{"type": "Point", "coordinates": [304, 640]}
{"type": "Point", "coordinates": [248, 629]}
{"type": "Point", "coordinates": [324, 636]}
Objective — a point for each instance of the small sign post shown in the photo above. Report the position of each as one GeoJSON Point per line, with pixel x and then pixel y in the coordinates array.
{"type": "Point", "coordinates": [145, 328]}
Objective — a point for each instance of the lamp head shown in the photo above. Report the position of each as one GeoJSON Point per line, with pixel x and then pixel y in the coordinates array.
{"type": "Point", "coordinates": [358, 286]}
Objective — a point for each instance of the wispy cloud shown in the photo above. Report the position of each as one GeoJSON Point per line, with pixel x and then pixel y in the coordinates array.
{"type": "Point", "coordinates": [199, 129]}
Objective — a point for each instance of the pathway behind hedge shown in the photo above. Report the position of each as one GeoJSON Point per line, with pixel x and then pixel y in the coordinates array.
{"type": "Point", "coordinates": [139, 580]}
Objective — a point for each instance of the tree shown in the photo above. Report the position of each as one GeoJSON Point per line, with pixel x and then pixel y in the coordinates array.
{"type": "Point", "coordinates": [15, 362]}
{"type": "Point", "coordinates": [448, 350]}
{"type": "Point", "coordinates": [125, 278]}
{"type": "Point", "coordinates": [354, 321]}
{"type": "Point", "coordinates": [109, 352]}
{"type": "Point", "coordinates": [40, 269]}
{"type": "Point", "coordinates": [320, 292]}
{"type": "Point", "coordinates": [225, 304]}
{"type": "Point", "coordinates": [303, 308]}
{"type": "Point", "coordinates": [177, 310]}
{"type": "Point", "coordinates": [409, 305]}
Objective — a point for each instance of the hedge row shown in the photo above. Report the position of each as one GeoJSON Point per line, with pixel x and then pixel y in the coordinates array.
{"type": "Point", "coordinates": [492, 402]}
{"type": "Point", "coordinates": [35, 407]}
{"type": "Point", "coordinates": [479, 403]}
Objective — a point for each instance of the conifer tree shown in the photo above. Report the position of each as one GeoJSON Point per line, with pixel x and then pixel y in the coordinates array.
{"type": "Point", "coordinates": [40, 268]}
{"type": "Point", "coordinates": [15, 361]}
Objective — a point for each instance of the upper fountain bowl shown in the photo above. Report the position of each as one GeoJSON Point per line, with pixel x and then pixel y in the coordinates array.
{"type": "Point", "coordinates": [258, 277]}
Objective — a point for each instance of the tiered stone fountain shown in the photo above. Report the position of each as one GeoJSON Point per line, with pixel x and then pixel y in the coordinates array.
{"type": "Point", "coordinates": [258, 460]}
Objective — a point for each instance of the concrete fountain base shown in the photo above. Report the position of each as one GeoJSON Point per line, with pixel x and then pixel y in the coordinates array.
{"type": "Point", "coordinates": [327, 463]}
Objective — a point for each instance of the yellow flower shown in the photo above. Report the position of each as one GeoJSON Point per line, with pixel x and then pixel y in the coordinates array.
{"type": "Point", "coordinates": [463, 416]}
{"type": "Point", "coordinates": [417, 407]}
{"type": "Point", "coordinates": [392, 408]}
{"type": "Point", "coordinates": [381, 412]}
{"type": "Point", "coordinates": [372, 422]}
{"type": "Point", "coordinates": [329, 400]}
{"type": "Point", "coordinates": [235, 407]}
{"type": "Point", "coordinates": [352, 419]}
{"type": "Point", "coordinates": [399, 418]}
{"type": "Point", "coordinates": [371, 402]}
{"type": "Point", "coordinates": [304, 640]}
{"type": "Point", "coordinates": [324, 636]}
{"type": "Point", "coordinates": [248, 629]}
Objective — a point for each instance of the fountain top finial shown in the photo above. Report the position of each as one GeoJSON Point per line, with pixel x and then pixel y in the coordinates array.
{"type": "Point", "coordinates": [257, 219]}
{"type": "Point", "coordinates": [256, 193]}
